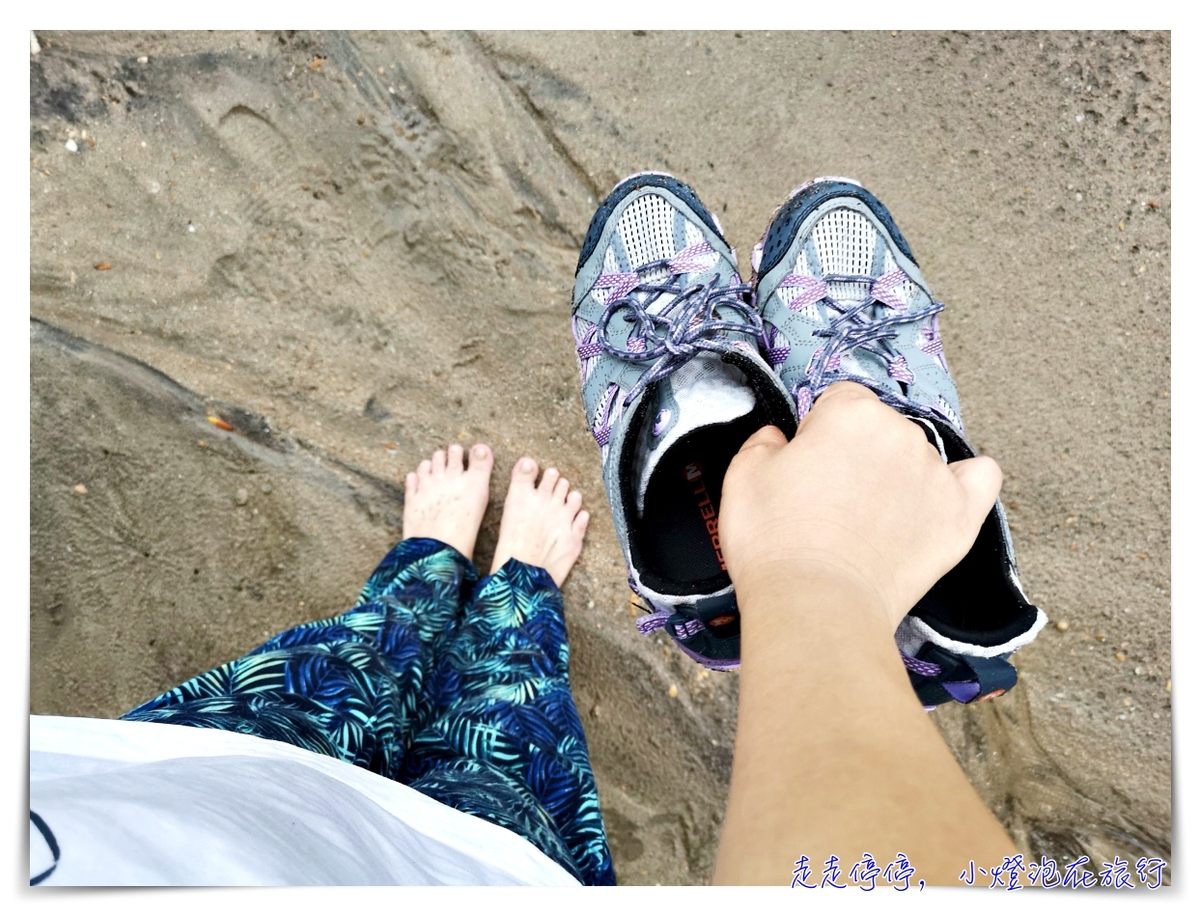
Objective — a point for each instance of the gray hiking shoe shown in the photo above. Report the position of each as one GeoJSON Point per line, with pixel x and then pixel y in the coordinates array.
{"type": "Point", "coordinates": [842, 299]}
{"type": "Point", "coordinates": [673, 384]}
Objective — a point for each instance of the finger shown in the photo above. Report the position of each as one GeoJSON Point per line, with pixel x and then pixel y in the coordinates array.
{"type": "Point", "coordinates": [846, 390]}
{"type": "Point", "coordinates": [758, 447]}
{"type": "Point", "coordinates": [981, 478]}
{"type": "Point", "coordinates": [768, 437]}
{"type": "Point", "coordinates": [840, 398]}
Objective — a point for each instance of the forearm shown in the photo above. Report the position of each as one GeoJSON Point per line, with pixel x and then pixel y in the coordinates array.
{"type": "Point", "coordinates": [834, 753]}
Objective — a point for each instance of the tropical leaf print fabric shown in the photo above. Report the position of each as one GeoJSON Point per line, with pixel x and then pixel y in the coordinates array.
{"type": "Point", "coordinates": [453, 685]}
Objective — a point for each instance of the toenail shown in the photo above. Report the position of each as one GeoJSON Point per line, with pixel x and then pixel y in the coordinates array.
{"type": "Point", "coordinates": [527, 465]}
{"type": "Point", "coordinates": [479, 451]}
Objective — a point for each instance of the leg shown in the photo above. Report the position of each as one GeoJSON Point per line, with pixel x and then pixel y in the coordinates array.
{"type": "Point", "coordinates": [351, 686]}
{"type": "Point", "coordinates": [504, 707]}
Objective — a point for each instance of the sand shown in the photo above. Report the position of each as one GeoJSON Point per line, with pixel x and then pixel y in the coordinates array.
{"type": "Point", "coordinates": [354, 248]}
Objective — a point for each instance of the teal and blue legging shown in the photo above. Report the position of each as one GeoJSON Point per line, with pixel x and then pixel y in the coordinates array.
{"type": "Point", "coordinates": [450, 684]}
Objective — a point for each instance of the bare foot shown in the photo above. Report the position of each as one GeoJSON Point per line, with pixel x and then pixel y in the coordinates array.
{"type": "Point", "coordinates": [446, 502]}
{"type": "Point", "coordinates": [541, 525]}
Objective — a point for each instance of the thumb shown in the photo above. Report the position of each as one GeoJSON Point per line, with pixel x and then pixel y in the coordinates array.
{"type": "Point", "coordinates": [769, 438]}
{"type": "Point", "coordinates": [757, 448]}
{"type": "Point", "coordinates": [980, 478]}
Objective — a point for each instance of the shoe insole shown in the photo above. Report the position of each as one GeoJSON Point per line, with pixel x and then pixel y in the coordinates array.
{"type": "Point", "coordinates": [677, 534]}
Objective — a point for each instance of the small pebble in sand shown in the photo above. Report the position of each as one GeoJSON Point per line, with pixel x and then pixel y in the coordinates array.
{"type": "Point", "coordinates": [673, 691]}
{"type": "Point", "coordinates": [71, 146]}
{"type": "Point", "coordinates": [1127, 702]}
{"type": "Point", "coordinates": [1120, 656]}
{"type": "Point", "coordinates": [143, 60]}
{"type": "Point", "coordinates": [81, 489]}
{"type": "Point", "coordinates": [1062, 625]}
{"type": "Point", "coordinates": [241, 497]}
{"type": "Point", "coordinates": [266, 489]}
{"type": "Point", "coordinates": [591, 605]}
{"type": "Point", "coordinates": [596, 710]}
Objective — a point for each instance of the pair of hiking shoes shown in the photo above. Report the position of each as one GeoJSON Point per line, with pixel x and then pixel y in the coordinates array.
{"type": "Point", "coordinates": [681, 361]}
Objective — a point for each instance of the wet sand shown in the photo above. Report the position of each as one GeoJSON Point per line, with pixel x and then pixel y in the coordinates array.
{"type": "Point", "coordinates": [354, 248]}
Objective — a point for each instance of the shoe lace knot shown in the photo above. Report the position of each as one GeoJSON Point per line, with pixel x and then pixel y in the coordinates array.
{"type": "Point", "coordinates": [673, 321]}
{"type": "Point", "coordinates": [861, 326]}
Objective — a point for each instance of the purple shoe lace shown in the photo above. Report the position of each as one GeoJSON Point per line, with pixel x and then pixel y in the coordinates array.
{"type": "Point", "coordinates": [855, 327]}
{"type": "Point", "coordinates": [684, 326]}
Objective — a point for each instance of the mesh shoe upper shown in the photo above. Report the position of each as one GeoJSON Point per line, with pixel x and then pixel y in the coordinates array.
{"type": "Point", "coordinates": [842, 299]}
{"type": "Point", "coordinates": [673, 383]}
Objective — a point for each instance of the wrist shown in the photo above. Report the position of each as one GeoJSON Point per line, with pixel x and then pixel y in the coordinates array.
{"type": "Point", "coordinates": [804, 630]}
{"type": "Point", "coordinates": [813, 591]}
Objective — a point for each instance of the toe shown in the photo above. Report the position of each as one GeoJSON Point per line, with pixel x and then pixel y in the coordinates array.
{"type": "Point", "coordinates": [524, 472]}
{"type": "Point", "coordinates": [481, 459]}
{"type": "Point", "coordinates": [574, 502]}
{"type": "Point", "coordinates": [454, 459]}
{"type": "Point", "coordinates": [579, 525]}
{"type": "Point", "coordinates": [410, 484]}
{"type": "Point", "coordinates": [561, 488]}
{"type": "Point", "coordinates": [549, 479]}
{"type": "Point", "coordinates": [425, 468]}
{"type": "Point", "coordinates": [439, 462]}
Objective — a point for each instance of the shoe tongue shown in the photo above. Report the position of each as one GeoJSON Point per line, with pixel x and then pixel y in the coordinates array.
{"type": "Point", "coordinates": [705, 392]}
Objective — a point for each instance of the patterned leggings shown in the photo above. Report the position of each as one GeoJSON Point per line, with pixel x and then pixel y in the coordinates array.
{"type": "Point", "coordinates": [453, 685]}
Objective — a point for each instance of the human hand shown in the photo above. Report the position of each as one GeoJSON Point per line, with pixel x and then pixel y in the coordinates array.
{"type": "Point", "coordinates": [859, 497]}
